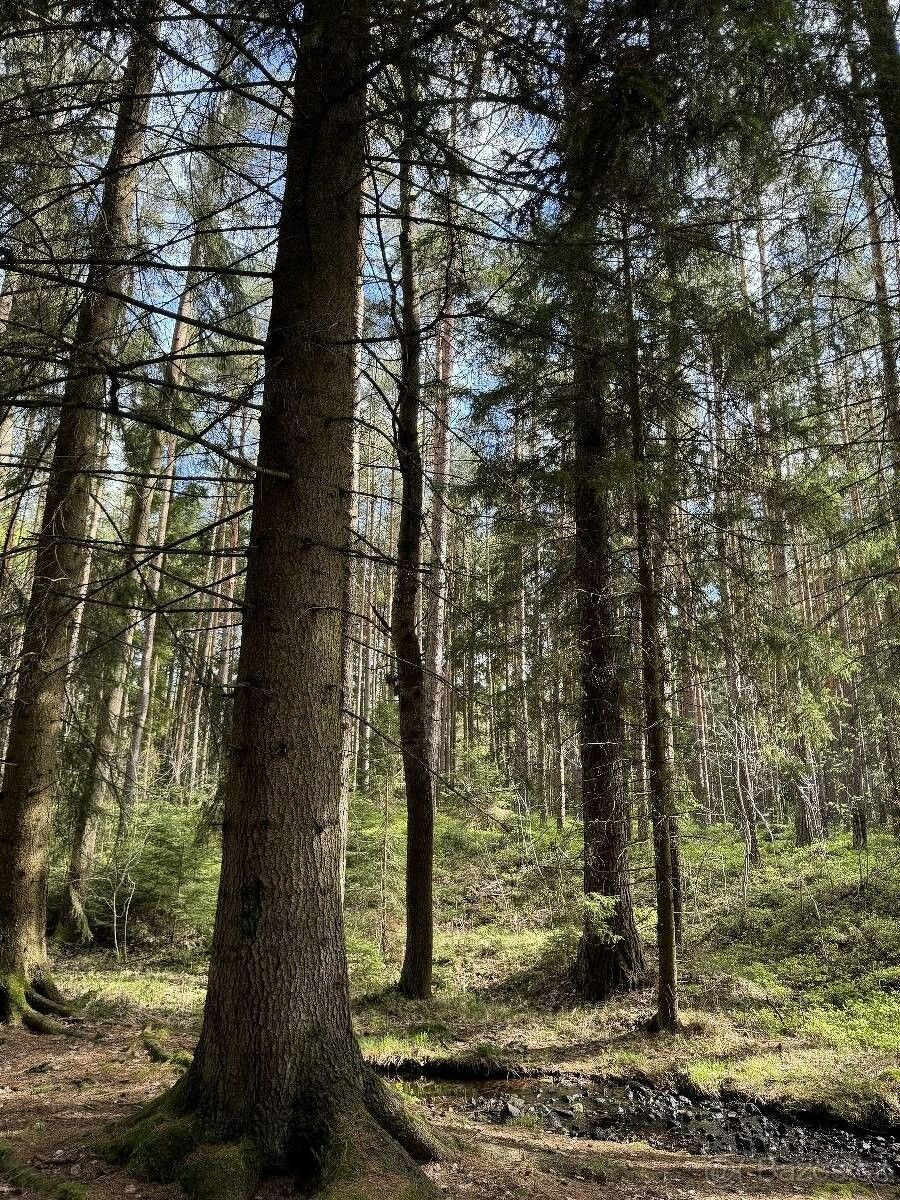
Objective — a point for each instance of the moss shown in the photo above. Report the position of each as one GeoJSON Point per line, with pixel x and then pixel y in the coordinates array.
{"type": "Point", "coordinates": [12, 998]}
{"type": "Point", "coordinates": [364, 1163]}
{"type": "Point", "coordinates": [155, 1143]}
{"type": "Point", "coordinates": [70, 1191]}
{"type": "Point", "coordinates": [154, 1045]}
{"type": "Point", "coordinates": [222, 1171]}
{"type": "Point", "coordinates": [27, 1179]}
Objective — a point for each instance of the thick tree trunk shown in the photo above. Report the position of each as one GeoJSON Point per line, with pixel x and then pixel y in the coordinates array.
{"type": "Point", "coordinates": [30, 776]}
{"type": "Point", "coordinates": [277, 1082]}
{"type": "Point", "coordinates": [415, 975]}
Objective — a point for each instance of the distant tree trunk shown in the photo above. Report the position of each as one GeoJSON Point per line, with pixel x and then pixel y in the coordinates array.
{"type": "Point", "coordinates": [104, 777]}
{"type": "Point", "coordinates": [651, 538]}
{"type": "Point", "coordinates": [277, 1069]}
{"type": "Point", "coordinates": [744, 779]}
{"type": "Point", "coordinates": [521, 717]}
{"type": "Point", "coordinates": [350, 626]}
{"type": "Point", "coordinates": [148, 649]}
{"type": "Point", "coordinates": [30, 776]}
{"type": "Point", "coordinates": [415, 976]}
{"type": "Point", "coordinates": [435, 622]}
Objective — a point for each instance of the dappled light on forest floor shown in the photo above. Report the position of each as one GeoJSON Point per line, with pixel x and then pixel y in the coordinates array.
{"type": "Point", "coordinates": [57, 1098]}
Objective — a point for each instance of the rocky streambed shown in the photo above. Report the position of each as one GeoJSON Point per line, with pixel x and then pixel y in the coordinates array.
{"type": "Point", "coordinates": [671, 1120]}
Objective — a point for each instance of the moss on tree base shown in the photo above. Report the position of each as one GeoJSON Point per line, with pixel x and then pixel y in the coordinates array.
{"type": "Point", "coordinates": [32, 1002]}
{"type": "Point", "coordinates": [366, 1163]}
{"type": "Point", "coordinates": [166, 1144]}
{"type": "Point", "coordinates": [367, 1154]}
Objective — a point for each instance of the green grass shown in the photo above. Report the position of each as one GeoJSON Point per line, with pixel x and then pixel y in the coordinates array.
{"type": "Point", "coordinates": [791, 990]}
{"type": "Point", "coordinates": [146, 989]}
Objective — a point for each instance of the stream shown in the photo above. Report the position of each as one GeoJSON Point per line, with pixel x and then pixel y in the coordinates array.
{"type": "Point", "coordinates": [669, 1120]}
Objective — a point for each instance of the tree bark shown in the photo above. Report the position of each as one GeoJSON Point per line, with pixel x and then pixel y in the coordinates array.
{"type": "Point", "coordinates": [278, 1082]}
{"type": "Point", "coordinates": [148, 648]}
{"type": "Point", "coordinates": [415, 975]}
{"type": "Point", "coordinates": [436, 600]}
{"type": "Point", "coordinates": [610, 957]}
{"type": "Point", "coordinates": [651, 538]}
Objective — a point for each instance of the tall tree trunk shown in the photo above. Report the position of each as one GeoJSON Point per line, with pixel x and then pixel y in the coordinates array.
{"type": "Point", "coordinates": [278, 1082]}
{"type": "Point", "coordinates": [30, 776]}
{"type": "Point", "coordinates": [521, 724]}
{"type": "Point", "coordinates": [435, 622]}
{"type": "Point", "coordinates": [415, 975]}
{"type": "Point", "coordinates": [610, 957]}
{"type": "Point", "coordinates": [651, 537]}
{"type": "Point", "coordinates": [148, 649]}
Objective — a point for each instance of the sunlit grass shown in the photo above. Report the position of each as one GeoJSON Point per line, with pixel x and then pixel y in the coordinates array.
{"type": "Point", "coordinates": [791, 991]}
{"type": "Point", "coordinates": [137, 988]}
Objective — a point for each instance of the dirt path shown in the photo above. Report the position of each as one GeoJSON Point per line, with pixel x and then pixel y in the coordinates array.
{"type": "Point", "coordinates": [58, 1094]}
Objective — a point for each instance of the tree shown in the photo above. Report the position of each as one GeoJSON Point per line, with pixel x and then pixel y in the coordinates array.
{"type": "Point", "coordinates": [610, 957]}
{"type": "Point", "coordinates": [30, 776]}
{"type": "Point", "coordinates": [415, 976]}
{"type": "Point", "coordinates": [278, 1081]}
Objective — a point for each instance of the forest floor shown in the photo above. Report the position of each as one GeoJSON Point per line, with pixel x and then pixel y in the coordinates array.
{"type": "Point", "coordinates": [791, 998]}
{"type": "Point", "coordinates": [59, 1095]}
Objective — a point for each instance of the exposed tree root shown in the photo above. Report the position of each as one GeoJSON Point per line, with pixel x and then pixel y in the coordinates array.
{"type": "Point", "coordinates": [654, 1025]}
{"type": "Point", "coordinates": [365, 1162]}
{"type": "Point", "coordinates": [397, 1119]}
{"type": "Point", "coordinates": [43, 1004]}
{"type": "Point", "coordinates": [34, 1003]}
{"type": "Point", "coordinates": [366, 1153]}
{"type": "Point", "coordinates": [159, 1053]}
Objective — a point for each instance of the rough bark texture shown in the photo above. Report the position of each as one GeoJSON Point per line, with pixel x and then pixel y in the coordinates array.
{"type": "Point", "coordinates": [30, 777]}
{"type": "Point", "coordinates": [278, 1082]}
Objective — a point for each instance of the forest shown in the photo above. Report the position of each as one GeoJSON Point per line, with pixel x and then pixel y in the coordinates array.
{"type": "Point", "coordinates": [449, 599]}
